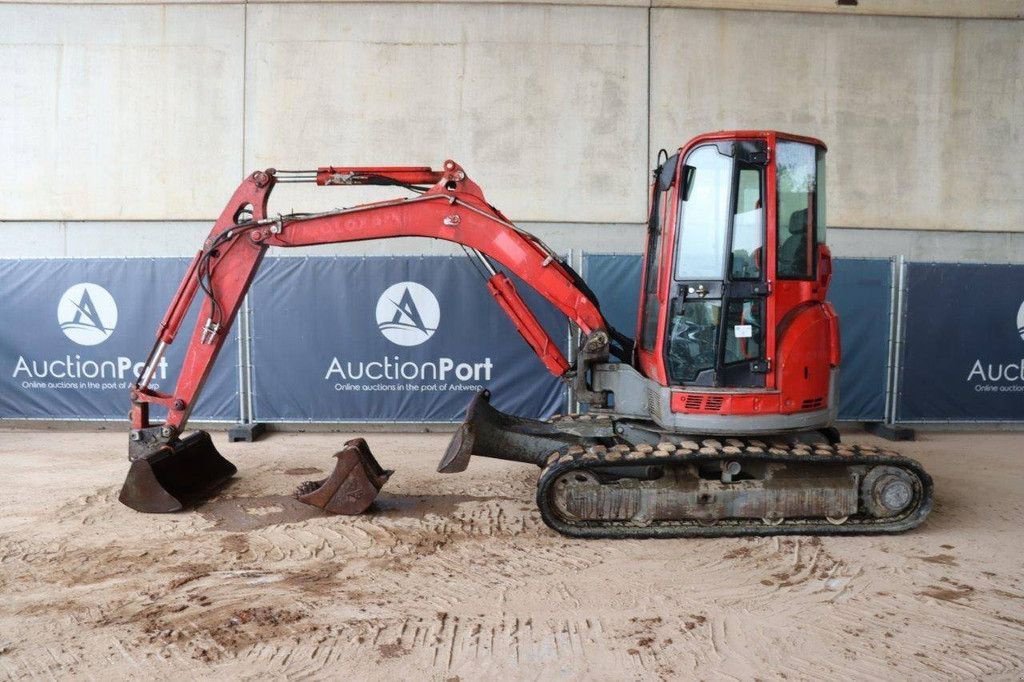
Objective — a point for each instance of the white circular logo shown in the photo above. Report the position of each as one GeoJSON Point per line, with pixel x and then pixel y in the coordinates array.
{"type": "Point", "coordinates": [1020, 321]}
{"type": "Point", "coordinates": [407, 313]}
{"type": "Point", "coordinates": [87, 314]}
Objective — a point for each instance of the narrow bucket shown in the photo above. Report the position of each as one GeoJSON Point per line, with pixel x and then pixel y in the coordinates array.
{"type": "Point", "coordinates": [180, 472]}
{"type": "Point", "coordinates": [353, 484]}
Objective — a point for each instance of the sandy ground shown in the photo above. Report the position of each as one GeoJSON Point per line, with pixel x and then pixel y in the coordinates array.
{"type": "Point", "coordinates": [455, 577]}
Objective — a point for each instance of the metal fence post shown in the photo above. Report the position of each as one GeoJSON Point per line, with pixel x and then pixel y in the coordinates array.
{"type": "Point", "coordinates": [246, 430]}
{"type": "Point", "coordinates": [897, 343]}
{"type": "Point", "coordinates": [893, 374]}
{"type": "Point", "coordinates": [243, 415]}
{"type": "Point", "coordinates": [894, 286]}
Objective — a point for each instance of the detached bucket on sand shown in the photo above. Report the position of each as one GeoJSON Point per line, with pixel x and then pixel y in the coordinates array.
{"type": "Point", "coordinates": [352, 486]}
{"type": "Point", "coordinates": [181, 471]}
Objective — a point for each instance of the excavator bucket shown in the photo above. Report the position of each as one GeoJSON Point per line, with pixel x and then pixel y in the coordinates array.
{"type": "Point", "coordinates": [352, 486]}
{"type": "Point", "coordinates": [180, 472]}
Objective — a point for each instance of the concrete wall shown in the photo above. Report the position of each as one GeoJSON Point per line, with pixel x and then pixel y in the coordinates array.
{"type": "Point", "coordinates": [120, 112]}
{"type": "Point", "coordinates": [124, 128]}
{"type": "Point", "coordinates": [920, 115]}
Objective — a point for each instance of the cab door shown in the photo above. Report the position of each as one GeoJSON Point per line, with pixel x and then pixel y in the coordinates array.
{"type": "Point", "coordinates": [716, 321]}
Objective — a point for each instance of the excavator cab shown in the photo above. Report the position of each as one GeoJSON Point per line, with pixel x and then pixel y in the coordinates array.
{"type": "Point", "coordinates": [733, 324]}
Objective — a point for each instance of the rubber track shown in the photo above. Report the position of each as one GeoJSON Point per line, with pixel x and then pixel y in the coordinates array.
{"type": "Point", "coordinates": [574, 458]}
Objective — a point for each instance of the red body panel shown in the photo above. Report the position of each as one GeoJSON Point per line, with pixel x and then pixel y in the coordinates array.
{"type": "Point", "coordinates": [804, 358]}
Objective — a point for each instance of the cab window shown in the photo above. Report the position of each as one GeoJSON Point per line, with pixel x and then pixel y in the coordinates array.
{"type": "Point", "coordinates": [704, 223]}
{"type": "Point", "coordinates": [748, 226]}
{"type": "Point", "coordinates": [798, 208]}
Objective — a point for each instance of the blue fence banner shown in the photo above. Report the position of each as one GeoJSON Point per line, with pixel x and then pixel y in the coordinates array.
{"type": "Point", "coordinates": [416, 337]}
{"type": "Point", "coordinates": [860, 292]}
{"type": "Point", "coordinates": [74, 334]}
{"type": "Point", "coordinates": [615, 280]}
{"type": "Point", "coordinates": [391, 339]}
{"type": "Point", "coordinates": [963, 356]}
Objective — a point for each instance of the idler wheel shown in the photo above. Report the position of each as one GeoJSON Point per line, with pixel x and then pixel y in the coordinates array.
{"type": "Point", "coordinates": [562, 487]}
{"type": "Point", "coordinates": [887, 491]}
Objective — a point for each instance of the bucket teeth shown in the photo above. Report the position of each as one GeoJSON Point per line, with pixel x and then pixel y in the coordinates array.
{"type": "Point", "coordinates": [352, 486]}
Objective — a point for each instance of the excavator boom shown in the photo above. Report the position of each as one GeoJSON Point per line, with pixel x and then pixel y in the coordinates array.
{"type": "Point", "coordinates": [452, 208]}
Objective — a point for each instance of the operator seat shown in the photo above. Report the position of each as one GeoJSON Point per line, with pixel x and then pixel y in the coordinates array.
{"type": "Point", "coordinates": [793, 252]}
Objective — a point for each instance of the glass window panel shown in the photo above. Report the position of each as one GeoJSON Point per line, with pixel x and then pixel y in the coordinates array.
{"type": "Point", "coordinates": [743, 325]}
{"type": "Point", "coordinates": [649, 330]}
{"type": "Point", "coordinates": [747, 229]}
{"type": "Point", "coordinates": [693, 339]}
{"type": "Point", "coordinates": [820, 198]}
{"type": "Point", "coordinates": [797, 186]}
{"type": "Point", "coordinates": [704, 220]}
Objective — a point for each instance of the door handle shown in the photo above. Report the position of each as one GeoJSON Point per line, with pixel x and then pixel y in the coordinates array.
{"type": "Point", "coordinates": [699, 291]}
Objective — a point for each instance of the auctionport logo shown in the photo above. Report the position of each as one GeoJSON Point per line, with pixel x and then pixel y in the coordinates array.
{"type": "Point", "coordinates": [407, 313]}
{"type": "Point", "coordinates": [1004, 377]}
{"type": "Point", "coordinates": [87, 314]}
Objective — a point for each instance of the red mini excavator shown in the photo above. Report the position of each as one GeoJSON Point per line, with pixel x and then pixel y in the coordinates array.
{"type": "Point", "coordinates": [716, 420]}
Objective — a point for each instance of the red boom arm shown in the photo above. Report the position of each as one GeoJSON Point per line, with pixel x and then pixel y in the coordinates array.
{"type": "Point", "coordinates": [453, 209]}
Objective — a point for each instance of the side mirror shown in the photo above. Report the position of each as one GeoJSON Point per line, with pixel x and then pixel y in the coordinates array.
{"type": "Point", "coordinates": [667, 173]}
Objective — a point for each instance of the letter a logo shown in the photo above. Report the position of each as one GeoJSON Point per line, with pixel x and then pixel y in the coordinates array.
{"type": "Point", "coordinates": [407, 313]}
{"type": "Point", "coordinates": [87, 314]}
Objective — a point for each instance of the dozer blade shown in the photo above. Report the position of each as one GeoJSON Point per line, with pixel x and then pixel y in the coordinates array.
{"type": "Point", "coordinates": [352, 486]}
{"type": "Point", "coordinates": [489, 432]}
{"type": "Point", "coordinates": [180, 472]}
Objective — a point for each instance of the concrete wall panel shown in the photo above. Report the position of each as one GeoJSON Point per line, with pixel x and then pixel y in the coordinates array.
{"type": "Point", "coordinates": [33, 240]}
{"type": "Point", "coordinates": [986, 9]}
{"type": "Point", "coordinates": [545, 107]}
{"type": "Point", "coordinates": [920, 115]}
{"type": "Point", "coordinates": [118, 112]}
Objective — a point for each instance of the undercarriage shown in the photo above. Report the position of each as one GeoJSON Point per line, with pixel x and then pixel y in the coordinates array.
{"type": "Point", "coordinates": [596, 482]}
